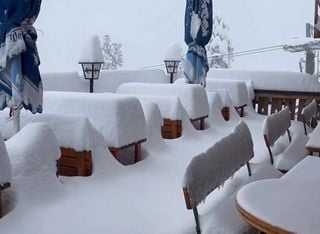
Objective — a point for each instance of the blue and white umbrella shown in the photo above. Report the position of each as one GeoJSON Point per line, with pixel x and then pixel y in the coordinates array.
{"type": "Point", "coordinates": [20, 81]}
{"type": "Point", "coordinates": [198, 31]}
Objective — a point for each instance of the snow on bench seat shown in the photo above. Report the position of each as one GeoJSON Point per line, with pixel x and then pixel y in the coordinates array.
{"type": "Point", "coordinates": [171, 110]}
{"type": "Point", "coordinates": [5, 171]}
{"type": "Point", "coordinates": [74, 134]}
{"type": "Point", "coordinates": [120, 119]}
{"type": "Point", "coordinates": [193, 97]}
{"type": "Point", "coordinates": [211, 169]}
{"type": "Point", "coordinates": [313, 144]}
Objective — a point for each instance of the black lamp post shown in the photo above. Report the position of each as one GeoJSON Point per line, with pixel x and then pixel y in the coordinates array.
{"type": "Point", "coordinates": [91, 71]}
{"type": "Point", "coordinates": [172, 67]}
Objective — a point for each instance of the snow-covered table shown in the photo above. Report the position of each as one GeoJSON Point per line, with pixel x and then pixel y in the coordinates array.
{"type": "Point", "coordinates": [286, 205]}
{"type": "Point", "coordinates": [313, 145]}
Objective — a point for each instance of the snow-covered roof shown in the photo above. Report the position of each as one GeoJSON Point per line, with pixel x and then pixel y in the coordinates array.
{"type": "Point", "coordinates": [270, 80]}
{"type": "Point", "coordinates": [193, 97]}
{"type": "Point", "coordinates": [119, 118]}
{"type": "Point", "coordinates": [5, 165]}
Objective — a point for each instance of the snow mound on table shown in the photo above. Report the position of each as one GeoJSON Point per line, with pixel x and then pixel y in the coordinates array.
{"type": "Point", "coordinates": [5, 165]}
{"type": "Point", "coordinates": [34, 152]}
{"type": "Point", "coordinates": [119, 118]}
{"type": "Point", "coordinates": [270, 80]}
{"type": "Point", "coordinates": [109, 81]}
{"type": "Point", "coordinates": [310, 110]}
{"type": "Point", "coordinates": [276, 125]}
{"type": "Point", "coordinates": [68, 81]}
{"type": "Point", "coordinates": [211, 169]}
{"type": "Point", "coordinates": [72, 131]}
{"type": "Point", "coordinates": [170, 106]}
{"type": "Point", "coordinates": [193, 97]}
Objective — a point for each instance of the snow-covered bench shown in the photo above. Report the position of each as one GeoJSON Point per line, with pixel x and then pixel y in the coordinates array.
{"type": "Point", "coordinates": [5, 171]}
{"type": "Point", "coordinates": [211, 169]}
{"type": "Point", "coordinates": [120, 119]}
{"type": "Point", "coordinates": [171, 110]}
{"type": "Point", "coordinates": [274, 127]}
{"type": "Point", "coordinates": [226, 102]}
{"type": "Point", "coordinates": [309, 115]}
{"type": "Point", "coordinates": [73, 132]}
{"type": "Point", "coordinates": [313, 144]}
{"type": "Point", "coordinates": [193, 97]}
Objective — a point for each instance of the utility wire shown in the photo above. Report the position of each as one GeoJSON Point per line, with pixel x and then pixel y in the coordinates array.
{"type": "Point", "coordinates": [236, 54]}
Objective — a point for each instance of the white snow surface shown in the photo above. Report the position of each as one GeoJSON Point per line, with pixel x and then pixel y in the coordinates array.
{"type": "Point", "coordinates": [5, 165]}
{"type": "Point", "coordinates": [276, 125]}
{"type": "Point", "coordinates": [34, 152]}
{"type": "Point", "coordinates": [193, 97]}
{"type": "Point", "coordinates": [314, 138]}
{"type": "Point", "coordinates": [120, 119]}
{"type": "Point", "coordinates": [92, 51]}
{"type": "Point", "coordinates": [64, 81]}
{"type": "Point", "coordinates": [307, 169]}
{"type": "Point", "coordinates": [310, 110]}
{"type": "Point", "coordinates": [72, 131]}
{"type": "Point", "coordinates": [170, 106]}
{"type": "Point", "coordinates": [174, 52]}
{"type": "Point", "coordinates": [211, 169]}
{"type": "Point", "coordinates": [270, 80]}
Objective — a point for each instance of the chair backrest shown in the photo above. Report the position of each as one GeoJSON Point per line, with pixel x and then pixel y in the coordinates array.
{"type": "Point", "coordinates": [309, 115]}
{"type": "Point", "coordinates": [274, 126]}
{"type": "Point", "coordinates": [211, 169]}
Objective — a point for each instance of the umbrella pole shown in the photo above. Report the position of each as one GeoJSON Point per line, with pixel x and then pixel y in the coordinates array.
{"type": "Point", "coordinates": [16, 77]}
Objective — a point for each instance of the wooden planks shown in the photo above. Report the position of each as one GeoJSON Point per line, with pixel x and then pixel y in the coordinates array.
{"type": "Point", "coordinates": [171, 129]}
{"type": "Point", "coordinates": [74, 163]}
{"type": "Point", "coordinates": [115, 151]}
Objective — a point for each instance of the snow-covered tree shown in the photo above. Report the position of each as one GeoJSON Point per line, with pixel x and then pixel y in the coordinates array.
{"type": "Point", "coordinates": [220, 48]}
{"type": "Point", "coordinates": [112, 54]}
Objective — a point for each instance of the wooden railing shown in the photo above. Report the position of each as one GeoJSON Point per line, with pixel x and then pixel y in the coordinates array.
{"type": "Point", "coordinates": [267, 102]}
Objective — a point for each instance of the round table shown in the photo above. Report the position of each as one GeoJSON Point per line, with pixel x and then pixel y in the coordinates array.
{"type": "Point", "coordinates": [281, 205]}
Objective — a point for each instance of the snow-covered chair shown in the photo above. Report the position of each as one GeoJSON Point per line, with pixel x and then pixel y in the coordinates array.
{"type": "Point", "coordinates": [172, 112]}
{"type": "Point", "coordinates": [309, 115]}
{"type": "Point", "coordinates": [211, 169]}
{"type": "Point", "coordinates": [5, 171]}
{"type": "Point", "coordinates": [120, 119]}
{"type": "Point", "coordinates": [275, 126]}
{"type": "Point", "coordinates": [193, 97]}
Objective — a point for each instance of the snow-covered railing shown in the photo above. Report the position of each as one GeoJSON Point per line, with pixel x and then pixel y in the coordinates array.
{"type": "Point", "coordinates": [120, 119]}
{"type": "Point", "coordinates": [193, 97]}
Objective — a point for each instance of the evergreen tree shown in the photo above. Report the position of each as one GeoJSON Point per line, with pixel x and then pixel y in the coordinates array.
{"type": "Point", "coordinates": [112, 54]}
{"type": "Point", "coordinates": [220, 49]}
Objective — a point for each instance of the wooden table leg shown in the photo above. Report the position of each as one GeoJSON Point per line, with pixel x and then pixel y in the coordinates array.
{"type": "Point", "coordinates": [137, 152]}
{"type": "Point", "coordinates": [201, 124]}
{"type": "Point", "coordinates": [0, 204]}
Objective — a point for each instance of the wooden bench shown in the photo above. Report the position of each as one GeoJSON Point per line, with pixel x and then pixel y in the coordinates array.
{"type": "Point", "coordinates": [210, 170]}
{"type": "Point", "coordinates": [2, 187]}
{"type": "Point", "coordinates": [309, 115]}
{"type": "Point", "coordinates": [274, 126]}
{"type": "Point", "coordinates": [137, 150]}
{"type": "Point", "coordinates": [199, 120]}
{"type": "Point", "coordinates": [313, 145]}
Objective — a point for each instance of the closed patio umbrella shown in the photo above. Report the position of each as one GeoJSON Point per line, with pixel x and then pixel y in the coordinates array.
{"type": "Point", "coordinates": [20, 81]}
{"type": "Point", "coordinates": [198, 31]}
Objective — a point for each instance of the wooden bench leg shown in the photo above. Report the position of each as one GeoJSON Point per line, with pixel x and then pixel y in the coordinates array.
{"type": "Point", "coordinates": [137, 152]}
{"type": "Point", "coordinates": [202, 124]}
{"type": "Point", "coordinates": [0, 203]}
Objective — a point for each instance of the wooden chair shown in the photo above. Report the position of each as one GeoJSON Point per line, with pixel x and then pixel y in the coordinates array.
{"type": "Point", "coordinates": [309, 115]}
{"type": "Point", "coordinates": [274, 126]}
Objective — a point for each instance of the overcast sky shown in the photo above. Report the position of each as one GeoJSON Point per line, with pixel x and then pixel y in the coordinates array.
{"type": "Point", "coordinates": [146, 28]}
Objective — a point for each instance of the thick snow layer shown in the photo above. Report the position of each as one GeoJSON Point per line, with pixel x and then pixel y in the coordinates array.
{"type": "Point", "coordinates": [92, 51]}
{"type": "Point", "coordinates": [314, 139]}
{"type": "Point", "coordinates": [215, 102]}
{"type": "Point", "coordinates": [211, 169]}
{"type": "Point", "coordinates": [174, 52]}
{"type": "Point", "coordinates": [293, 154]}
{"type": "Point", "coordinates": [307, 169]}
{"type": "Point", "coordinates": [276, 125]}
{"type": "Point", "coordinates": [170, 106]}
{"type": "Point", "coordinates": [71, 131]}
{"type": "Point", "coordinates": [226, 218]}
{"type": "Point", "coordinates": [34, 152]}
{"type": "Point", "coordinates": [310, 110]}
{"type": "Point", "coordinates": [68, 81]}
{"type": "Point", "coordinates": [237, 90]}
{"type": "Point", "coordinates": [224, 95]}
{"type": "Point", "coordinates": [288, 204]}
{"type": "Point", "coordinates": [270, 80]}
{"type": "Point", "coordinates": [109, 81]}
{"type": "Point", "coordinates": [119, 118]}
{"type": "Point", "coordinates": [193, 97]}
{"type": "Point", "coordinates": [5, 165]}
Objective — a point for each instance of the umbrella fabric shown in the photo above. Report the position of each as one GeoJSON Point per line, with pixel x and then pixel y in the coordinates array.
{"type": "Point", "coordinates": [198, 31]}
{"type": "Point", "coordinates": [20, 81]}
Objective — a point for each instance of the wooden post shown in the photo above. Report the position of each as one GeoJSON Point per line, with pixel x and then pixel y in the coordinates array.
{"type": "Point", "coordinates": [137, 152]}
{"type": "Point", "coordinates": [0, 204]}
